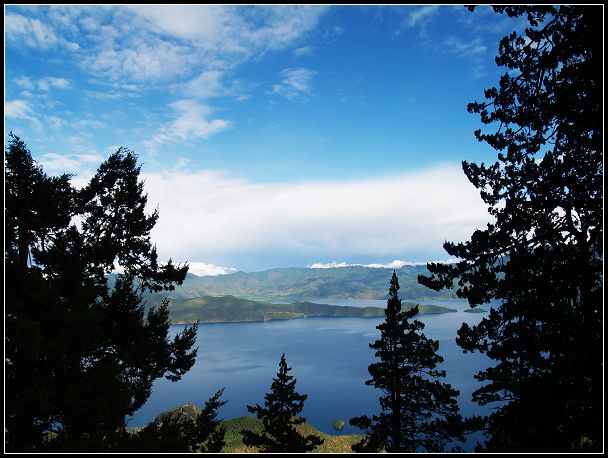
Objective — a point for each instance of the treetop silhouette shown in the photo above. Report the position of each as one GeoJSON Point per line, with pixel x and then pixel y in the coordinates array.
{"type": "Point", "coordinates": [80, 355]}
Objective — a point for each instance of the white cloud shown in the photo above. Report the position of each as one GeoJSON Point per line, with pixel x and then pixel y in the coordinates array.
{"type": "Point", "coordinates": [45, 84]}
{"type": "Point", "coordinates": [464, 49]}
{"type": "Point", "coordinates": [296, 83]}
{"type": "Point", "coordinates": [40, 89]}
{"type": "Point", "coordinates": [142, 60]}
{"type": "Point", "coordinates": [192, 123]}
{"type": "Point", "coordinates": [303, 51]}
{"type": "Point", "coordinates": [207, 84]}
{"type": "Point", "coordinates": [204, 213]}
{"type": "Point", "coordinates": [89, 124]}
{"type": "Point", "coordinates": [83, 166]}
{"type": "Point", "coordinates": [203, 269]}
{"type": "Point", "coordinates": [56, 122]}
{"type": "Point", "coordinates": [331, 265]}
{"type": "Point", "coordinates": [24, 82]}
{"type": "Point", "coordinates": [29, 32]}
{"type": "Point", "coordinates": [421, 16]}
{"type": "Point", "coordinates": [174, 42]}
{"type": "Point", "coordinates": [33, 33]}
{"type": "Point", "coordinates": [19, 109]}
{"type": "Point", "coordinates": [396, 264]}
{"type": "Point", "coordinates": [473, 51]}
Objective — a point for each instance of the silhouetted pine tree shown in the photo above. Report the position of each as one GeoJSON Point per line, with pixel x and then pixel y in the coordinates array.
{"type": "Point", "coordinates": [280, 418]}
{"type": "Point", "coordinates": [183, 430]}
{"type": "Point", "coordinates": [542, 256]}
{"type": "Point", "coordinates": [419, 413]}
{"type": "Point", "coordinates": [81, 356]}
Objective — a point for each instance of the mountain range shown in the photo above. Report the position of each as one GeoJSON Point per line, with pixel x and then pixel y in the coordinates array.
{"type": "Point", "coordinates": [304, 284]}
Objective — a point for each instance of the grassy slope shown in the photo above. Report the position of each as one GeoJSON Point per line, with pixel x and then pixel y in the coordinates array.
{"type": "Point", "coordinates": [210, 309]}
{"type": "Point", "coordinates": [234, 442]}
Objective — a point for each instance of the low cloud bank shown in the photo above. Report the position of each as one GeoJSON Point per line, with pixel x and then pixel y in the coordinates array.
{"type": "Point", "coordinates": [203, 269]}
{"type": "Point", "coordinates": [211, 215]}
{"type": "Point", "coordinates": [396, 264]}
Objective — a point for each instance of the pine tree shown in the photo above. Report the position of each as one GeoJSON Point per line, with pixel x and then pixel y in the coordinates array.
{"type": "Point", "coordinates": [182, 430]}
{"type": "Point", "coordinates": [81, 355]}
{"type": "Point", "coordinates": [418, 410]}
{"type": "Point", "coordinates": [541, 258]}
{"type": "Point", "coordinates": [280, 417]}
{"type": "Point", "coordinates": [209, 432]}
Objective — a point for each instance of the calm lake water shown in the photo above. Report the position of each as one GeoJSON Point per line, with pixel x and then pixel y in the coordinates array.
{"type": "Point", "coordinates": [329, 359]}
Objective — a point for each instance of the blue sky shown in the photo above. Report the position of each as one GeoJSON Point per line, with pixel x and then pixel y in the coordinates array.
{"type": "Point", "coordinates": [269, 136]}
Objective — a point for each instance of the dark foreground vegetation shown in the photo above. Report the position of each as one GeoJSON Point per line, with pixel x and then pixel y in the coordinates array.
{"type": "Point", "coordinates": [542, 257]}
{"type": "Point", "coordinates": [81, 356]}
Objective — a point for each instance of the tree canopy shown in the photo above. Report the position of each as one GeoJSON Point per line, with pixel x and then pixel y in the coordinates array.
{"type": "Point", "coordinates": [182, 430]}
{"type": "Point", "coordinates": [81, 355]}
{"type": "Point", "coordinates": [419, 412]}
{"type": "Point", "coordinates": [541, 257]}
{"type": "Point", "coordinates": [280, 416]}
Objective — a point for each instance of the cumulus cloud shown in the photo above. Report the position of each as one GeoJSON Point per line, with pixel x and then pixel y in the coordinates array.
{"type": "Point", "coordinates": [29, 32]}
{"type": "Point", "coordinates": [207, 84]}
{"type": "Point", "coordinates": [177, 41]}
{"type": "Point", "coordinates": [206, 213]}
{"type": "Point", "coordinates": [203, 269]}
{"type": "Point", "coordinates": [396, 264]}
{"type": "Point", "coordinates": [141, 61]}
{"type": "Point", "coordinates": [192, 123]}
{"type": "Point", "coordinates": [33, 33]}
{"type": "Point", "coordinates": [24, 82]}
{"type": "Point", "coordinates": [45, 84]}
{"type": "Point", "coordinates": [83, 166]}
{"type": "Point", "coordinates": [148, 44]}
{"type": "Point", "coordinates": [296, 83]}
{"type": "Point", "coordinates": [228, 30]}
{"type": "Point", "coordinates": [20, 109]}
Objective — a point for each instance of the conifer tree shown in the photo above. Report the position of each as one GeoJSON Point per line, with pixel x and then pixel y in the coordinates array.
{"type": "Point", "coordinates": [418, 410]}
{"type": "Point", "coordinates": [541, 257]}
{"type": "Point", "coordinates": [182, 430]}
{"type": "Point", "coordinates": [280, 418]}
{"type": "Point", "coordinates": [80, 355]}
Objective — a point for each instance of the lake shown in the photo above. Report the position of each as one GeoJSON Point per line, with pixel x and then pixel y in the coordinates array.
{"type": "Point", "coordinates": [329, 359]}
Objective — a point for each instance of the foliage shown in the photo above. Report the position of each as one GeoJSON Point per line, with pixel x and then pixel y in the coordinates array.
{"type": "Point", "coordinates": [280, 418]}
{"type": "Point", "coordinates": [80, 356]}
{"type": "Point", "coordinates": [338, 424]}
{"type": "Point", "coordinates": [418, 411]}
{"type": "Point", "coordinates": [185, 429]}
{"type": "Point", "coordinates": [542, 256]}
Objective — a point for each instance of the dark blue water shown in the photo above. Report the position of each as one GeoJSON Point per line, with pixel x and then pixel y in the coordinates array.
{"type": "Point", "coordinates": [328, 356]}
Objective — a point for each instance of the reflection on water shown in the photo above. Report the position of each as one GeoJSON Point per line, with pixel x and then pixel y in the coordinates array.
{"type": "Point", "coordinates": [328, 356]}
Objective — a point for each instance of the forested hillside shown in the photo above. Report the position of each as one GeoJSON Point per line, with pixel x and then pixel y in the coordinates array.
{"type": "Point", "coordinates": [301, 284]}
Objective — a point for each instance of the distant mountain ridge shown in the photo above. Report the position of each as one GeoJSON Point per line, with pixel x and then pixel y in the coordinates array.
{"type": "Point", "coordinates": [305, 284]}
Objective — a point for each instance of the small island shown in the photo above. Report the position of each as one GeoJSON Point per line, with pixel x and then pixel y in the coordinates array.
{"type": "Point", "coordinates": [476, 310]}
